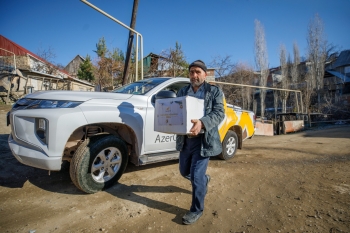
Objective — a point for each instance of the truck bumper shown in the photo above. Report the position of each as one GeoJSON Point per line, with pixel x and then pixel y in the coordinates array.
{"type": "Point", "coordinates": [33, 157]}
{"type": "Point", "coordinates": [27, 145]}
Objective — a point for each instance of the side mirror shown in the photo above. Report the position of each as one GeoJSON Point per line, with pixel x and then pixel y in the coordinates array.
{"type": "Point", "coordinates": [165, 94]}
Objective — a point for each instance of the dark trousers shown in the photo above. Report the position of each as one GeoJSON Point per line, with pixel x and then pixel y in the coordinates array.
{"type": "Point", "coordinates": [193, 167]}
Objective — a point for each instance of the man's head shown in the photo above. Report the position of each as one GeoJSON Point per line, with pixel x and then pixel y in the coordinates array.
{"type": "Point", "coordinates": [198, 73]}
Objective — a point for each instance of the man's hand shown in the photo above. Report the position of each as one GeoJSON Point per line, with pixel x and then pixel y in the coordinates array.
{"type": "Point", "coordinates": [196, 128]}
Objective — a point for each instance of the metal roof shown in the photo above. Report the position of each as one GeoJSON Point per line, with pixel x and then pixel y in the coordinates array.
{"type": "Point", "coordinates": [81, 81]}
{"type": "Point", "coordinates": [343, 77]}
{"type": "Point", "coordinates": [39, 75]}
{"type": "Point", "coordinates": [342, 60]}
{"type": "Point", "coordinates": [15, 48]}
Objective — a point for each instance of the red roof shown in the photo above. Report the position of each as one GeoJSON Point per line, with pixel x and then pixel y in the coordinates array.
{"type": "Point", "coordinates": [18, 50]}
{"type": "Point", "coordinates": [14, 48]}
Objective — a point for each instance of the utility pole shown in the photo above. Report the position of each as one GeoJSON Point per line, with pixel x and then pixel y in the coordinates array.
{"type": "Point", "coordinates": [130, 42]}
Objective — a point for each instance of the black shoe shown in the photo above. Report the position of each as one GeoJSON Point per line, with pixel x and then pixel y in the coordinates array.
{"type": "Point", "coordinates": [208, 180]}
{"type": "Point", "coordinates": [191, 217]}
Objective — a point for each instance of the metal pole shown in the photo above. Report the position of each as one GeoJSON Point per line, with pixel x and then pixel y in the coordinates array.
{"type": "Point", "coordinates": [141, 51]}
{"type": "Point", "coordinates": [271, 88]}
{"type": "Point", "coordinates": [301, 102]}
{"type": "Point", "coordinates": [137, 60]}
{"type": "Point", "coordinates": [261, 87]}
{"type": "Point", "coordinates": [119, 22]}
{"type": "Point", "coordinates": [297, 101]}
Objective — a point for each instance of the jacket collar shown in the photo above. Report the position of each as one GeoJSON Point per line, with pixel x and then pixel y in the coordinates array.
{"type": "Point", "coordinates": [206, 87]}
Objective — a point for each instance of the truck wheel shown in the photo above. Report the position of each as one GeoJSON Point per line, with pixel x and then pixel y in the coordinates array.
{"type": "Point", "coordinates": [229, 145]}
{"type": "Point", "coordinates": [98, 163]}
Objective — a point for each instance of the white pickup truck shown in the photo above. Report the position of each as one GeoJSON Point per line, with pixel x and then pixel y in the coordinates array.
{"type": "Point", "coordinates": [99, 132]}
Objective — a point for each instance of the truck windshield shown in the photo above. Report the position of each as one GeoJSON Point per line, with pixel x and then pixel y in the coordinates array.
{"type": "Point", "coordinates": [140, 87]}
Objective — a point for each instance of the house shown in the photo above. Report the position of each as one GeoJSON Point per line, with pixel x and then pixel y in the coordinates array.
{"type": "Point", "coordinates": [336, 82]}
{"type": "Point", "coordinates": [337, 77]}
{"type": "Point", "coordinates": [157, 66]}
{"type": "Point", "coordinates": [74, 65]}
{"type": "Point", "coordinates": [152, 65]}
{"type": "Point", "coordinates": [74, 84]}
{"type": "Point", "coordinates": [72, 81]}
{"type": "Point", "coordinates": [23, 72]}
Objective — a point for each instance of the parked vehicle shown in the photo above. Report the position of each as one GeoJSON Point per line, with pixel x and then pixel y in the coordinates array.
{"type": "Point", "coordinates": [99, 132]}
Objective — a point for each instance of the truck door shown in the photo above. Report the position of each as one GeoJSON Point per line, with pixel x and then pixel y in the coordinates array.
{"type": "Point", "coordinates": [156, 141]}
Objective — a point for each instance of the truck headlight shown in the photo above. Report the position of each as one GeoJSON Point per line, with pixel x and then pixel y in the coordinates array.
{"type": "Point", "coordinates": [41, 104]}
{"type": "Point", "coordinates": [53, 104]}
{"type": "Point", "coordinates": [41, 129]}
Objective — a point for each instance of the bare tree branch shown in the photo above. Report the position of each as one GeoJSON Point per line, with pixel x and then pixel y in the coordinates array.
{"type": "Point", "coordinates": [317, 55]}
{"type": "Point", "coordinates": [223, 66]}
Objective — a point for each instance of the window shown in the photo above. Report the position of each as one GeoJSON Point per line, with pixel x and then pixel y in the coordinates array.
{"type": "Point", "coordinates": [347, 70]}
{"type": "Point", "coordinates": [176, 87]}
{"type": "Point", "coordinates": [140, 87]}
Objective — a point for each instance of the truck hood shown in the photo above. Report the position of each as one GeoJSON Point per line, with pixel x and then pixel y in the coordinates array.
{"type": "Point", "coordinates": [77, 95]}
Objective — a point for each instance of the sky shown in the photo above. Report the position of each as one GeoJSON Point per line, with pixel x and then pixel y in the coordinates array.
{"type": "Point", "coordinates": [205, 28]}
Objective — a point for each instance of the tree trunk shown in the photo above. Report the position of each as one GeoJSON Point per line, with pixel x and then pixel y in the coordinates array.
{"type": "Point", "coordinates": [284, 105]}
{"type": "Point", "coordinates": [275, 101]}
{"type": "Point", "coordinates": [255, 106]}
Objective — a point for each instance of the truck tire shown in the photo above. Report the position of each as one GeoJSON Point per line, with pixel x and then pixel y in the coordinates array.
{"type": "Point", "coordinates": [229, 146]}
{"type": "Point", "coordinates": [98, 163]}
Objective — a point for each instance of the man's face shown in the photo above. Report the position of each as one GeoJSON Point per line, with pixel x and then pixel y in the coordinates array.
{"type": "Point", "coordinates": [197, 76]}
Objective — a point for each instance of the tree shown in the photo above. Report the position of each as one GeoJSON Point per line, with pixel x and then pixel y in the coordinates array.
{"type": "Point", "coordinates": [295, 73]}
{"type": "Point", "coordinates": [308, 91]}
{"type": "Point", "coordinates": [109, 66]}
{"type": "Point", "coordinates": [317, 55]}
{"type": "Point", "coordinates": [241, 74]}
{"type": "Point", "coordinates": [117, 55]}
{"type": "Point", "coordinates": [86, 70]}
{"type": "Point", "coordinates": [285, 78]}
{"type": "Point", "coordinates": [117, 65]}
{"type": "Point", "coordinates": [224, 71]}
{"type": "Point", "coordinates": [174, 62]}
{"type": "Point", "coordinates": [223, 66]}
{"type": "Point", "coordinates": [47, 64]}
{"type": "Point", "coordinates": [101, 48]}
{"type": "Point", "coordinates": [246, 76]}
{"type": "Point", "coordinates": [261, 61]}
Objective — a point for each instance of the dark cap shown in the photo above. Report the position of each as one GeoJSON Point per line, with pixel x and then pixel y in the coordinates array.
{"type": "Point", "coordinates": [199, 64]}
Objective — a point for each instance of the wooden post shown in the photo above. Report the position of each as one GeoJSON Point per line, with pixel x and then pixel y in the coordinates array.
{"type": "Point", "coordinates": [130, 41]}
{"type": "Point", "coordinates": [42, 84]}
{"type": "Point", "coordinates": [8, 91]}
{"type": "Point", "coordinates": [25, 86]}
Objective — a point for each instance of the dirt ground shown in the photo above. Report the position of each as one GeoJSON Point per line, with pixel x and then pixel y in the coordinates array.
{"type": "Point", "coordinates": [298, 182]}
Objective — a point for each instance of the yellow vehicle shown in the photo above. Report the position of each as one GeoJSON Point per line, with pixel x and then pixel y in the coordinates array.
{"type": "Point", "coordinates": [237, 126]}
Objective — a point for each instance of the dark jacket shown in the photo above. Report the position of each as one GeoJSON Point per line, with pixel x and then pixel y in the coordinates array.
{"type": "Point", "coordinates": [213, 115]}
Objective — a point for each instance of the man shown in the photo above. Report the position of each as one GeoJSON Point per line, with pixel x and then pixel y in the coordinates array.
{"type": "Point", "coordinates": [203, 140]}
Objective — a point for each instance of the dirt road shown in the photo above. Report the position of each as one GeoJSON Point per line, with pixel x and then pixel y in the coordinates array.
{"type": "Point", "coordinates": [291, 183]}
